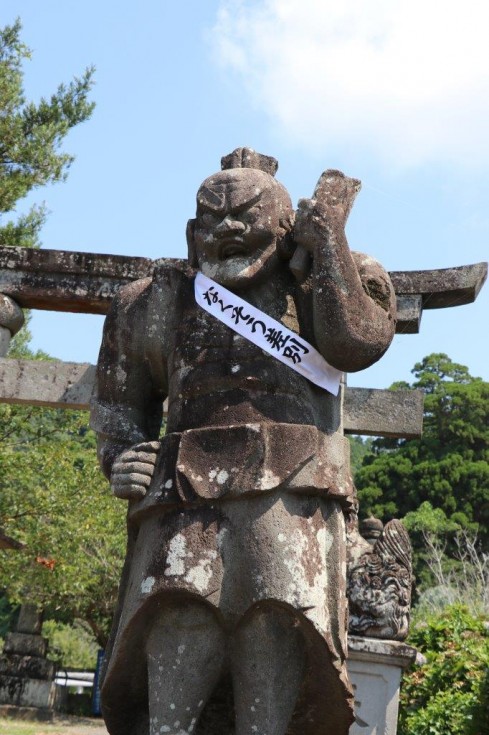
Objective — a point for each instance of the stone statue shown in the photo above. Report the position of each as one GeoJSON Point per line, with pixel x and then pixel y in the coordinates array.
{"type": "Point", "coordinates": [235, 573]}
{"type": "Point", "coordinates": [379, 579]}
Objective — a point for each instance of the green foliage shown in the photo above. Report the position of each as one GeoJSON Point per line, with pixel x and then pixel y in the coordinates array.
{"type": "Point", "coordinates": [450, 563]}
{"type": "Point", "coordinates": [448, 466]}
{"type": "Point", "coordinates": [449, 695]}
{"type": "Point", "coordinates": [52, 495]}
{"type": "Point", "coordinates": [71, 646]}
{"type": "Point", "coordinates": [31, 135]}
{"type": "Point", "coordinates": [359, 448]}
{"type": "Point", "coordinates": [56, 501]}
{"type": "Point", "coordinates": [25, 231]}
{"type": "Point", "coordinates": [431, 532]}
{"type": "Point", "coordinates": [427, 519]}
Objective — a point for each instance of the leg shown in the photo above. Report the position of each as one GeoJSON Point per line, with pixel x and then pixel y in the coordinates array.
{"type": "Point", "coordinates": [268, 663]}
{"type": "Point", "coordinates": [185, 652]}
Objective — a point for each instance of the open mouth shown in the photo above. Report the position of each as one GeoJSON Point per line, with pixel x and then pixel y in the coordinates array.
{"type": "Point", "coordinates": [232, 250]}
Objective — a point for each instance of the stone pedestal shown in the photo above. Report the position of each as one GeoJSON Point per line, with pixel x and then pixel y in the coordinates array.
{"type": "Point", "coordinates": [375, 668]}
{"type": "Point", "coordinates": [26, 676]}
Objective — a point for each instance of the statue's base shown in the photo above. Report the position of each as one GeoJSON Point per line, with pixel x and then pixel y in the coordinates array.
{"type": "Point", "coordinates": [375, 668]}
{"type": "Point", "coordinates": [26, 675]}
{"type": "Point", "coordinates": [23, 692]}
{"type": "Point", "coordinates": [38, 714]}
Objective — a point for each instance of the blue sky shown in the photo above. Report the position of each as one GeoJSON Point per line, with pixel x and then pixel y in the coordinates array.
{"type": "Point", "coordinates": [393, 93]}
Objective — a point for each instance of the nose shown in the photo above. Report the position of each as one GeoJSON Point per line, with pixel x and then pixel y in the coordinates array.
{"type": "Point", "coordinates": [229, 225]}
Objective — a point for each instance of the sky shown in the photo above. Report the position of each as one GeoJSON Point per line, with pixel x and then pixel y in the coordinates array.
{"type": "Point", "coordinates": [392, 92]}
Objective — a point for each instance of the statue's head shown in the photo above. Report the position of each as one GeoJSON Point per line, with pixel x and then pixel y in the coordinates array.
{"type": "Point", "coordinates": [244, 217]}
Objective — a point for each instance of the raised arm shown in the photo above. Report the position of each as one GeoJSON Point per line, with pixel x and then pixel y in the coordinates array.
{"type": "Point", "coordinates": [127, 410]}
{"type": "Point", "coordinates": [353, 297]}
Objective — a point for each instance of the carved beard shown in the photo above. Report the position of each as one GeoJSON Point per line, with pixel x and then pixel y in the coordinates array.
{"type": "Point", "coordinates": [243, 271]}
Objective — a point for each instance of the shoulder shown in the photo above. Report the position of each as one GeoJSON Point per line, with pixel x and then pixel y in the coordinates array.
{"type": "Point", "coordinates": [172, 286]}
{"type": "Point", "coordinates": [172, 271]}
{"type": "Point", "coordinates": [129, 307]}
{"type": "Point", "coordinates": [136, 296]}
{"type": "Point", "coordinates": [131, 293]}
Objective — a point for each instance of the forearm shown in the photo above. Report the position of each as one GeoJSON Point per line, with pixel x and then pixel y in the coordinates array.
{"type": "Point", "coordinates": [354, 316]}
{"type": "Point", "coordinates": [353, 299]}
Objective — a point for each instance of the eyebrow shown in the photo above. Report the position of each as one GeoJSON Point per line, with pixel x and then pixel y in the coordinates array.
{"type": "Point", "coordinates": [208, 204]}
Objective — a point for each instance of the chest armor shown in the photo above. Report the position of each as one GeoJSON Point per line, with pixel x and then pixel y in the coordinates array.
{"type": "Point", "coordinates": [217, 377]}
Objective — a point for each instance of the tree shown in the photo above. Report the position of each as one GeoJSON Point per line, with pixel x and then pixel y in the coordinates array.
{"type": "Point", "coordinates": [451, 565]}
{"type": "Point", "coordinates": [55, 500]}
{"type": "Point", "coordinates": [31, 136]}
{"type": "Point", "coordinates": [449, 465]}
{"type": "Point", "coordinates": [52, 497]}
{"type": "Point", "coordinates": [359, 448]}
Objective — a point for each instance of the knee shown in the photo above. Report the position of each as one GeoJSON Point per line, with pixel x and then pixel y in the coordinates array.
{"type": "Point", "coordinates": [268, 621]}
{"type": "Point", "coordinates": [177, 617]}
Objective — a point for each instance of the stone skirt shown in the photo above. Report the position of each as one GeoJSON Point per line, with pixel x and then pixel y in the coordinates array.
{"type": "Point", "coordinates": [231, 554]}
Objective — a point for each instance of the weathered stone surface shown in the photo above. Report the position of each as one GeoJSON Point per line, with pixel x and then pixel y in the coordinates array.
{"type": "Point", "coordinates": [26, 677]}
{"type": "Point", "coordinates": [24, 692]}
{"type": "Point", "coordinates": [29, 620]}
{"type": "Point", "coordinates": [25, 644]}
{"type": "Point", "coordinates": [59, 384]}
{"type": "Point", "coordinates": [61, 280]}
{"type": "Point", "coordinates": [383, 412]}
{"type": "Point", "coordinates": [38, 714]}
{"type": "Point", "coordinates": [409, 313]}
{"type": "Point", "coordinates": [237, 543]}
{"type": "Point", "coordinates": [379, 586]}
{"type": "Point", "coordinates": [5, 338]}
{"type": "Point", "coordinates": [248, 158]}
{"type": "Point", "coordinates": [33, 667]}
{"type": "Point", "coordinates": [375, 668]}
{"type": "Point", "coordinates": [11, 315]}
{"type": "Point", "coordinates": [50, 383]}
{"type": "Point", "coordinates": [239, 510]}
{"type": "Point", "coordinates": [11, 320]}
{"type": "Point", "coordinates": [444, 287]}
{"type": "Point", "coordinates": [397, 653]}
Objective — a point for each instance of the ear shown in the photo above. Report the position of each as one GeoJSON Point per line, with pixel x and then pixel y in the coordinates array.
{"type": "Point", "coordinates": [192, 253]}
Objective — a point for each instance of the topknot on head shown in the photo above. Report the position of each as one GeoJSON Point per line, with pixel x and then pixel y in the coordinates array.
{"type": "Point", "coordinates": [248, 158]}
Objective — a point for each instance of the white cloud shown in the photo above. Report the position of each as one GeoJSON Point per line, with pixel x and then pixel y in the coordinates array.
{"type": "Point", "coordinates": [404, 79]}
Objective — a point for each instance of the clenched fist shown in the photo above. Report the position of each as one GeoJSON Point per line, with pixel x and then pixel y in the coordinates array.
{"type": "Point", "coordinates": [133, 470]}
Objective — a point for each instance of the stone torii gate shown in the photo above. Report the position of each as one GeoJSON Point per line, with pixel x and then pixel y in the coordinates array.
{"type": "Point", "coordinates": [59, 280]}
{"type": "Point", "coordinates": [81, 282]}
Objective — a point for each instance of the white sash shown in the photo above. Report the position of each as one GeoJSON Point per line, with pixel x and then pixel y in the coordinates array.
{"type": "Point", "coordinates": [272, 336]}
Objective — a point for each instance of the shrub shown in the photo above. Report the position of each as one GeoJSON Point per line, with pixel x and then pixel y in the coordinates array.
{"type": "Point", "coordinates": [71, 646]}
{"type": "Point", "coordinates": [449, 695]}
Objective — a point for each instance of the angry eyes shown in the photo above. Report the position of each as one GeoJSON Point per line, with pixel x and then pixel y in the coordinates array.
{"type": "Point", "coordinates": [209, 219]}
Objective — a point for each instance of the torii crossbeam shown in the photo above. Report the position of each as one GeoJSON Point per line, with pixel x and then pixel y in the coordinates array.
{"type": "Point", "coordinates": [60, 280]}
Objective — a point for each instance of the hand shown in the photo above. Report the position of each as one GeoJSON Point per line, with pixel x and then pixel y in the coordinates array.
{"type": "Point", "coordinates": [133, 470]}
{"type": "Point", "coordinates": [326, 213]}
{"type": "Point", "coordinates": [305, 227]}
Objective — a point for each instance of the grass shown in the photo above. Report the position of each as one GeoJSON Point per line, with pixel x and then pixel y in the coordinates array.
{"type": "Point", "coordinates": [65, 726]}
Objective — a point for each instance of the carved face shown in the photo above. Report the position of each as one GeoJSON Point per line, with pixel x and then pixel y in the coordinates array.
{"type": "Point", "coordinates": [240, 217]}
